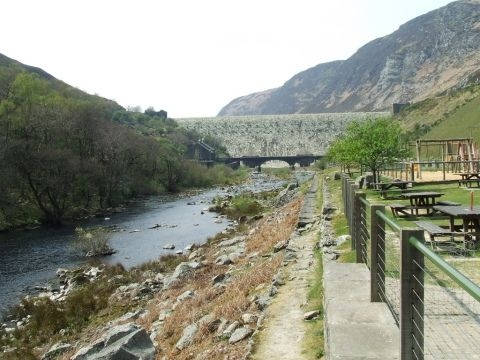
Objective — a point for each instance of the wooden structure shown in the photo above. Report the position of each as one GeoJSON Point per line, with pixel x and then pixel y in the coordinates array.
{"type": "Point", "coordinates": [385, 187]}
{"type": "Point", "coordinates": [470, 219]}
{"type": "Point", "coordinates": [463, 150]}
{"type": "Point", "coordinates": [425, 200]}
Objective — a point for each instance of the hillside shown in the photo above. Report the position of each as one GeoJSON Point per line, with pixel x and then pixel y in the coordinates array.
{"type": "Point", "coordinates": [427, 55]}
{"type": "Point", "coordinates": [449, 115]}
{"type": "Point", "coordinates": [10, 68]}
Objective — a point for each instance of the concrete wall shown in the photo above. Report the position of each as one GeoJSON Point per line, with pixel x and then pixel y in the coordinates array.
{"type": "Point", "coordinates": [269, 135]}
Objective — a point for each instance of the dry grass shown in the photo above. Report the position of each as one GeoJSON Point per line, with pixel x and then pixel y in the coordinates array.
{"type": "Point", "coordinates": [229, 303]}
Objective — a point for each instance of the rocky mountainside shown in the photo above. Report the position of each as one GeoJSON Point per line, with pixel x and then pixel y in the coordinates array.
{"type": "Point", "coordinates": [428, 55]}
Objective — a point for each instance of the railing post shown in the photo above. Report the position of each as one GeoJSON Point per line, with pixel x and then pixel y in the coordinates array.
{"type": "Point", "coordinates": [411, 297]}
{"type": "Point", "coordinates": [359, 208]}
{"type": "Point", "coordinates": [377, 254]}
{"type": "Point", "coordinates": [351, 201]}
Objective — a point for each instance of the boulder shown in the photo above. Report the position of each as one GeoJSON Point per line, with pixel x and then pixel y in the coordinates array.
{"type": "Point", "coordinates": [187, 337]}
{"type": "Point", "coordinates": [182, 271]}
{"type": "Point", "coordinates": [311, 315]}
{"type": "Point", "coordinates": [280, 246]}
{"type": "Point", "coordinates": [240, 334]}
{"type": "Point", "coordinates": [222, 326]}
{"type": "Point", "coordinates": [56, 350]}
{"type": "Point", "coordinates": [223, 260]}
{"type": "Point", "coordinates": [219, 278]}
{"type": "Point", "coordinates": [249, 318]}
{"type": "Point", "coordinates": [232, 241]}
{"type": "Point", "coordinates": [342, 238]}
{"type": "Point", "coordinates": [211, 322]}
{"type": "Point", "coordinates": [186, 295]}
{"type": "Point", "coordinates": [278, 280]}
{"type": "Point", "coordinates": [128, 341]}
{"type": "Point", "coordinates": [230, 329]}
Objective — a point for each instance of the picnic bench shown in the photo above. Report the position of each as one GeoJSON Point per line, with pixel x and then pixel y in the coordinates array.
{"type": "Point", "coordinates": [385, 187]}
{"type": "Point", "coordinates": [470, 219]}
{"type": "Point", "coordinates": [437, 231]}
{"type": "Point", "coordinates": [401, 209]}
{"type": "Point", "coordinates": [469, 179]}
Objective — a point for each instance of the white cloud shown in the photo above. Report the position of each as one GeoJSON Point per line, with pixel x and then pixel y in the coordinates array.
{"type": "Point", "coordinates": [191, 57]}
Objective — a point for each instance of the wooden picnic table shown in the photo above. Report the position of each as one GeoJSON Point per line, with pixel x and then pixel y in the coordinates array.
{"type": "Point", "coordinates": [470, 218]}
{"type": "Point", "coordinates": [385, 186]}
{"type": "Point", "coordinates": [422, 200]}
{"type": "Point", "coordinates": [388, 185]}
{"type": "Point", "coordinates": [469, 176]}
{"type": "Point", "coordinates": [468, 179]}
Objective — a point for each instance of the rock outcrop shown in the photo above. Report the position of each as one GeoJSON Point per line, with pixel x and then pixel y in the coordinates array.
{"type": "Point", "coordinates": [126, 341]}
{"type": "Point", "coordinates": [432, 53]}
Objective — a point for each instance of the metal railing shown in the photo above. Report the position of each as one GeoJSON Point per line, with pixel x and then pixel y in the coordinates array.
{"type": "Point", "coordinates": [435, 305]}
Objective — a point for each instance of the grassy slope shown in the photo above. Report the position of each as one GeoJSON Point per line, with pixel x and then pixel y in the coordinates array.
{"type": "Point", "coordinates": [463, 122]}
{"type": "Point", "coordinates": [443, 109]}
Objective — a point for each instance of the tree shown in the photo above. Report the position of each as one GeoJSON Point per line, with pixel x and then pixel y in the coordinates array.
{"type": "Point", "coordinates": [373, 144]}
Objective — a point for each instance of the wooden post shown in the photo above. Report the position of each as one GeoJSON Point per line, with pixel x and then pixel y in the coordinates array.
{"type": "Point", "coordinates": [443, 170]}
{"type": "Point", "coordinates": [412, 170]}
{"type": "Point", "coordinates": [419, 171]}
{"type": "Point", "coordinates": [353, 230]}
{"type": "Point", "coordinates": [359, 223]}
{"type": "Point", "coordinates": [377, 254]}
{"type": "Point", "coordinates": [411, 296]}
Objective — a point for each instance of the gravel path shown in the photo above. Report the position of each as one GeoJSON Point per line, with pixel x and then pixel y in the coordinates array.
{"type": "Point", "coordinates": [285, 328]}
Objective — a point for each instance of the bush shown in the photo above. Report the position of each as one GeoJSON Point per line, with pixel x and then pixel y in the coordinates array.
{"type": "Point", "coordinates": [92, 242]}
{"type": "Point", "coordinates": [243, 205]}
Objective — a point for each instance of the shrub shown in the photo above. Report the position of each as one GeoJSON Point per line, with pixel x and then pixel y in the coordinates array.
{"type": "Point", "coordinates": [244, 205]}
{"type": "Point", "coordinates": [92, 242]}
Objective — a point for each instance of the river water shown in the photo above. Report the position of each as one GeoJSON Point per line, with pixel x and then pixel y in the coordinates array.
{"type": "Point", "coordinates": [30, 258]}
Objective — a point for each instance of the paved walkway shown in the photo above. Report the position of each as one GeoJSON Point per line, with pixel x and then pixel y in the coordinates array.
{"type": "Point", "coordinates": [355, 328]}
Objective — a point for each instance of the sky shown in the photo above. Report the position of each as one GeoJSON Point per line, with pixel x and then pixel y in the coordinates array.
{"type": "Point", "coordinates": [191, 57]}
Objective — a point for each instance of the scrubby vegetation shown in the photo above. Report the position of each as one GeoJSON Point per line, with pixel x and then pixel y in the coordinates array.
{"type": "Point", "coordinates": [284, 173]}
{"type": "Point", "coordinates": [245, 205]}
{"type": "Point", "coordinates": [85, 306]}
{"type": "Point", "coordinates": [92, 242]}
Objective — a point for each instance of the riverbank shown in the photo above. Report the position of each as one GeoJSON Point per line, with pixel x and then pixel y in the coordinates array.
{"type": "Point", "coordinates": [29, 217]}
{"type": "Point", "coordinates": [246, 249]}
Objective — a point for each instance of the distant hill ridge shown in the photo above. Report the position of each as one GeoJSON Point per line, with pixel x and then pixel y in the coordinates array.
{"type": "Point", "coordinates": [430, 54]}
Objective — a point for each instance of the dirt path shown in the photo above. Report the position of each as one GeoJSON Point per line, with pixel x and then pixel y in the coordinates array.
{"type": "Point", "coordinates": [284, 329]}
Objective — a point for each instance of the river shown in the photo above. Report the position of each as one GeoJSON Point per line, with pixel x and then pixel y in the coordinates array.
{"type": "Point", "coordinates": [31, 258]}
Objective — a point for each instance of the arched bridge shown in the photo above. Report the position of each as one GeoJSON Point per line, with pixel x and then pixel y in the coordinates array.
{"type": "Point", "coordinates": [257, 161]}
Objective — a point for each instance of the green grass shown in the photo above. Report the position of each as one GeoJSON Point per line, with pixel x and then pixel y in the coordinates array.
{"type": "Point", "coordinates": [313, 342]}
{"type": "Point", "coordinates": [284, 173]}
{"type": "Point", "coordinates": [461, 123]}
{"type": "Point", "coordinates": [339, 221]}
{"type": "Point", "coordinates": [451, 193]}
{"type": "Point", "coordinates": [443, 111]}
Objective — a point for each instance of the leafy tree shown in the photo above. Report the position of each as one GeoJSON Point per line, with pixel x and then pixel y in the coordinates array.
{"type": "Point", "coordinates": [373, 144]}
{"type": "Point", "coordinates": [65, 154]}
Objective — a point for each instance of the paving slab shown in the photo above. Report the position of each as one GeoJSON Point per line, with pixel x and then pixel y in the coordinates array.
{"type": "Point", "coordinates": [355, 328]}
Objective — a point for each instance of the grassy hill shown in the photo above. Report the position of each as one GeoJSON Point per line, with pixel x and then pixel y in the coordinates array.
{"type": "Point", "coordinates": [10, 68]}
{"type": "Point", "coordinates": [449, 115]}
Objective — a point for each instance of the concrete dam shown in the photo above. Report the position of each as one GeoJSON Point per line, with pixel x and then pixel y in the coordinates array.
{"type": "Point", "coordinates": [276, 135]}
